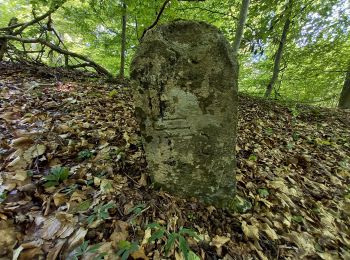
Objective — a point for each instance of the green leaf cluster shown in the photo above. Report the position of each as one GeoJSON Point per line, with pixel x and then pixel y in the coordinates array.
{"type": "Point", "coordinates": [174, 239]}
{"type": "Point", "coordinates": [101, 212]}
{"type": "Point", "coordinates": [85, 154]}
{"type": "Point", "coordinates": [84, 248]}
{"type": "Point", "coordinates": [56, 176]}
{"type": "Point", "coordinates": [126, 248]}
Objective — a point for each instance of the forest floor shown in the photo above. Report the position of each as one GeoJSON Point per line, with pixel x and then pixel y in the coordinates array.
{"type": "Point", "coordinates": [74, 184]}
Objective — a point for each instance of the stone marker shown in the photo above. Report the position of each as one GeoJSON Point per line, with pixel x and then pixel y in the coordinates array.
{"type": "Point", "coordinates": [185, 82]}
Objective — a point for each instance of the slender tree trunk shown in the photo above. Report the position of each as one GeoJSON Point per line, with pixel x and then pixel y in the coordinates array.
{"type": "Point", "coordinates": [240, 26]}
{"type": "Point", "coordinates": [344, 100]}
{"type": "Point", "coordinates": [3, 42]}
{"type": "Point", "coordinates": [278, 56]}
{"type": "Point", "coordinates": [3, 47]}
{"type": "Point", "coordinates": [123, 45]}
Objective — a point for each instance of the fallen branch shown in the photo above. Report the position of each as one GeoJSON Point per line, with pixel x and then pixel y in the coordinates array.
{"type": "Point", "coordinates": [53, 47]}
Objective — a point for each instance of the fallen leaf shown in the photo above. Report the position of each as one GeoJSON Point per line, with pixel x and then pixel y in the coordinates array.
{"type": "Point", "coordinates": [120, 233]}
{"type": "Point", "coordinates": [219, 241]}
{"type": "Point", "coordinates": [251, 231]}
{"type": "Point", "coordinates": [7, 237]}
{"type": "Point", "coordinates": [139, 254]}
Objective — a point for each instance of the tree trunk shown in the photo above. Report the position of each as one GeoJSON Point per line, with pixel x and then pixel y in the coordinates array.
{"type": "Point", "coordinates": [240, 26]}
{"type": "Point", "coordinates": [3, 47]}
{"type": "Point", "coordinates": [123, 45]}
{"type": "Point", "coordinates": [344, 100]}
{"type": "Point", "coordinates": [3, 42]}
{"type": "Point", "coordinates": [278, 56]}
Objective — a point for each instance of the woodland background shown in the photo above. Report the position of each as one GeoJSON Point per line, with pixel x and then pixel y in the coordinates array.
{"type": "Point", "coordinates": [314, 56]}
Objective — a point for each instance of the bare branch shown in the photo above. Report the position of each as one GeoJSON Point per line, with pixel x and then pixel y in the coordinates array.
{"type": "Point", "coordinates": [207, 10]}
{"type": "Point", "coordinates": [53, 47]}
{"type": "Point", "coordinates": [157, 19]}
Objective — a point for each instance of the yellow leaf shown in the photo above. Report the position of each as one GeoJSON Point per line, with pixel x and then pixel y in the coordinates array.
{"type": "Point", "coordinates": [34, 151]}
{"type": "Point", "coordinates": [219, 241]}
{"type": "Point", "coordinates": [251, 231]}
{"type": "Point", "coordinates": [21, 175]}
{"type": "Point", "coordinates": [269, 231]}
{"type": "Point", "coordinates": [120, 233]}
{"type": "Point", "coordinates": [139, 254]}
{"type": "Point", "coordinates": [21, 141]}
{"type": "Point", "coordinates": [148, 234]}
{"type": "Point", "coordinates": [17, 163]}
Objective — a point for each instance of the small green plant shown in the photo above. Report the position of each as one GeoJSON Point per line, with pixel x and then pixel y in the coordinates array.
{"type": "Point", "coordinates": [298, 219]}
{"type": "Point", "coordinates": [85, 154]}
{"type": "Point", "coordinates": [295, 136]}
{"type": "Point", "coordinates": [191, 217]}
{"type": "Point", "coordinates": [84, 205]}
{"type": "Point", "coordinates": [295, 111]}
{"type": "Point", "coordinates": [174, 239]}
{"type": "Point", "coordinates": [269, 131]}
{"type": "Point", "coordinates": [70, 189]}
{"type": "Point", "coordinates": [113, 93]}
{"type": "Point", "coordinates": [263, 192]}
{"type": "Point", "coordinates": [3, 196]}
{"type": "Point", "coordinates": [240, 204]}
{"type": "Point", "coordinates": [56, 176]}
{"type": "Point", "coordinates": [253, 158]}
{"type": "Point", "coordinates": [126, 248]}
{"type": "Point", "coordinates": [117, 154]}
{"type": "Point", "coordinates": [346, 195]}
{"type": "Point", "coordinates": [84, 248]}
{"type": "Point", "coordinates": [101, 212]}
{"type": "Point", "coordinates": [137, 211]}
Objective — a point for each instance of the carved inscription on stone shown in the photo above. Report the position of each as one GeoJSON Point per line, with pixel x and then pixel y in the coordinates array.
{"type": "Point", "coordinates": [185, 90]}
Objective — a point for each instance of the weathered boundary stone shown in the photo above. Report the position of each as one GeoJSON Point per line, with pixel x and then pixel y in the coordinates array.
{"type": "Point", "coordinates": [185, 89]}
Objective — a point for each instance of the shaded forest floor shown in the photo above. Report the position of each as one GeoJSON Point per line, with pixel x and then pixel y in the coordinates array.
{"type": "Point", "coordinates": [293, 170]}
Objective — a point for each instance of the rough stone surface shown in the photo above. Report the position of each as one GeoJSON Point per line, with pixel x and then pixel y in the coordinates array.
{"type": "Point", "coordinates": [185, 82]}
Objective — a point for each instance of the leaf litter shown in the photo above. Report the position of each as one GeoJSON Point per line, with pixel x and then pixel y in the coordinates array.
{"type": "Point", "coordinates": [293, 178]}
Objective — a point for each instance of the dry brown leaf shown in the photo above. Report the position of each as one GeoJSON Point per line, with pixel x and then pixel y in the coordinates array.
{"type": "Point", "coordinates": [50, 228]}
{"type": "Point", "coordinates": [61, 225]}
{"type": "Point", "coordinates": [139, 254]}
{"type": "Point", "coordinates": [34, 151]}
{"type": "Point", "coordinates": [269, 231]}
{"type": "Point", "coordinates": [17, 164]}
{"type": "Point", "coordinates": [32, 253]}
{"type": "Point", "coordinates": [120, 232]}
{"type": "Point", "coordinates": [75, 240]}
{"type": "Point", "coordinates": [148, 234]}
{"type": "Point", "coordinates": [251, 231]}
{"type": "Point", "coordinates": [143, 180]}
{"type": "Point", "coordinates": [54, 252]}
{"type": "Point", "coordinates": [179, 256]}
{"type": "Point", "coordinates": [59, 199]}
{"type": "Point", "coordinates": [21, 141]}
{"type": "Point", "coordinates": [20, 175]}
{"type": "Point", "coordinates": [219, 241]}
{"type": "Point", "coordinates": [258, 251]}
{"type": "Point", "coordinates": [7, 237]}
